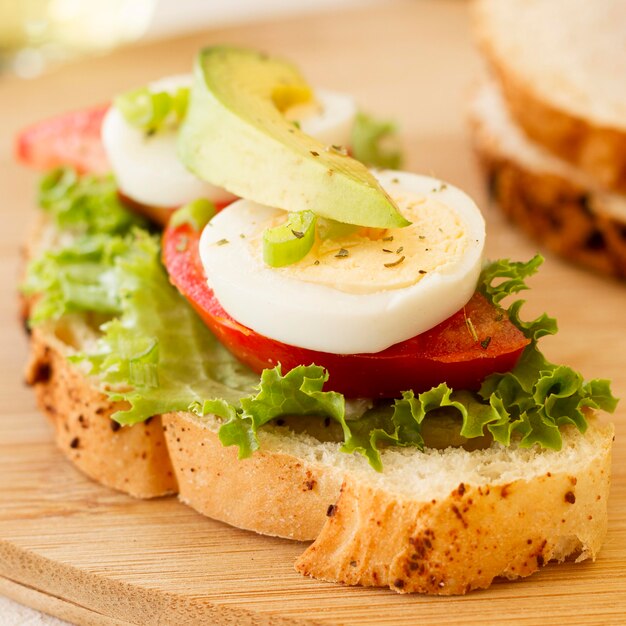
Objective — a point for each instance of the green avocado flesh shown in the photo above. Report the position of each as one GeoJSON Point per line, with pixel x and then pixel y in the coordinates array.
{"type": "Point", "coordinates": [236, 136]}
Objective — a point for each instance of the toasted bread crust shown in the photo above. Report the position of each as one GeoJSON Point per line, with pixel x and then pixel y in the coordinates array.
{"type": "Point", "coordinates": [464, 541]}
{"type": "Point", "coordinates": [276, 494]}
{"type": "Point", "coordinates": [131, 459]}
{"type": "Point", "coordinates": [557, 212]}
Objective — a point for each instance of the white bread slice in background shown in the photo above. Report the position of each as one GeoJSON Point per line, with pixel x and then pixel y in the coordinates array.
{"type": "Point", "coordinates": [562, 68]}
{"type": "Point", "coordinates": [438, 522]}
{"type": "Point", "coordinates": [554, 202]}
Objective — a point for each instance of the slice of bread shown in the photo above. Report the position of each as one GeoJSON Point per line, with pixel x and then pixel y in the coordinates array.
{"type": "Point", "coordinates": [561, 64]}
{"type": "Point", "coordinates": [438, 521]}
{"type": "Point", "coordinates": [556, 203]}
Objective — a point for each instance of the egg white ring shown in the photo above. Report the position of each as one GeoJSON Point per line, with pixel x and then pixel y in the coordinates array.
{"type": "Point", "coordinates": [323, 318]}
{"type": "Point", "coordinates": [147, 169]}
{"type": "Point", "coordinates": [333, 124]}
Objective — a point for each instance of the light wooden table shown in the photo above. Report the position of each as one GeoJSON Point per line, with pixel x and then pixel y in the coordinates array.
{"type": "Point", "coordinates": [91, 555]}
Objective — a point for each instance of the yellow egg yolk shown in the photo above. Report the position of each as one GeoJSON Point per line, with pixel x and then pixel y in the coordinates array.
{"type": "Point", "coordinates": [369, 261]}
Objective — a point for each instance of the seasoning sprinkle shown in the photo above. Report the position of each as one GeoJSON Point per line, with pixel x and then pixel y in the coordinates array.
{"type": "Point", "coordinates": [298, 234]}
{"type": "Point", "coordinates": [423, 272]}
{"type": "Point", "coordinates": [316, 262]}
{"type": "Point", "coordinates": [485, 343]}
{"type": "Point", "coordinates": [387, 250]}
{"type": "Point", "coordinates": [242, 236]}
{"type": "Point", "coordinates": [342, 253]}
{"type": "Point", "coordinates": [470, 326]}
{"type": "Point", "coordinates": [395, 180]}
{"type": "Point", "coordinates": [222, 242]}
{"type": "Point", "coordinates": [390, 238]}
{"type": "Point", "coordinates": [337, 149]}
{"type": "Point", "coordinates": [422, 237]}
{"type": "Point", "coordinates": [181, 246]}
{"type": "Point", "coordinates": [395, 262]}
{"type": "Point", "coordinates": [314, 153]}
{"type": "Point", "coordinates": [399, 249]}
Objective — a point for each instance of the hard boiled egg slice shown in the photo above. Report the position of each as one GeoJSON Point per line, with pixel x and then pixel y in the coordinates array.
{"type": "Point", "coordinates": [147, 168]}
{"type": "Point", "coordinates": [330, 119]}
{"type": "Point", "coordinates": [358, 294]}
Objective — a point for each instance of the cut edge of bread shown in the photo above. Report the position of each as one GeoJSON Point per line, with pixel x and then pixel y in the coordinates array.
{"type": "Point", "coordinates": [587, 141]}
{"type": "Point", "coordinates": [554, 202]}
{"type": "Point", "coordinates": [132, 459]}
{"type": "Point", "coordinates": [438, 521]}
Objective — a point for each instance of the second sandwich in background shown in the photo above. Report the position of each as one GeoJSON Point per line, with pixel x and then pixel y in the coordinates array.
{"type": "Point", "coordinates": [550, 126]}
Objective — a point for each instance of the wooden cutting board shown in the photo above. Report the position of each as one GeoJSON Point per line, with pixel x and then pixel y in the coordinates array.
{"type": "Point", "coordinates": [93, 556]}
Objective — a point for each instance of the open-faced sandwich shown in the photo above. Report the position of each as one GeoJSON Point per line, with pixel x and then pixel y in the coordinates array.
{"type": "Point", "coordinates": [310, 349]}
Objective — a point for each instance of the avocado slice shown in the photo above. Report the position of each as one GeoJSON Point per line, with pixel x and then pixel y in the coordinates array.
{"type": "Point", "coordinates": [236, 136]}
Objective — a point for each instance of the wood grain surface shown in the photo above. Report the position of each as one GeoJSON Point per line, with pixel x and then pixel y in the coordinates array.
{"type": "Point", "coordinates": [90, 555]}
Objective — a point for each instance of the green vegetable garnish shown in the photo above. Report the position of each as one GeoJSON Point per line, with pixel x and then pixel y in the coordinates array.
{"type": "Point", "coordinates": [150, 111]}
{"type": "Point", "coordinates": [375, 142]}
{"type": "Point", "coordinates": [86, 204]}
{"type": "Point", "coordinates": [331, 229]}
{"type": "Point", "coordinates": [291, 241]}
{"type": "Point", "coordinates": [197, 214]}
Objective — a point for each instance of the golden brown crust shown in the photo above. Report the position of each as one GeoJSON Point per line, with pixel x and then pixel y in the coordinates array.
{"type": "Point", "coordinates": [270, 493]}
{"type": "Point", "coordinates": [132, 459]}
{"type": "Point", "coordinates": [559, 213]}
{"type": "Point", "coordinates": [464, 541]}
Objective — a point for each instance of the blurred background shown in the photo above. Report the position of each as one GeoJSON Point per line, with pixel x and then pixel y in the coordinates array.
{"type": "Point", "coordinates": [36, 35]}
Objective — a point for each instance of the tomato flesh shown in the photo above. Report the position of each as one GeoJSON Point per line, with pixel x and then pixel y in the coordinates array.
{"type": "Point", "coordinates": [71, 139]}
{"type": "Point", "coordinates": [450, 352]}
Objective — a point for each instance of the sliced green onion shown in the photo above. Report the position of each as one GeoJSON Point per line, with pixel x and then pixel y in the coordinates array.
{"type": "Point", "coordinates": [149, 111]}
{"type": "Point", "coordinates": [180, 102]}
{"type": "Point", "coordinates": [197, 214]}
{"type": "Point", "coordinates": [331, 229]}
{"type": "Point", "coordinates": [291, 241]}
{"type": "Point", "coordinates": [375, 142]}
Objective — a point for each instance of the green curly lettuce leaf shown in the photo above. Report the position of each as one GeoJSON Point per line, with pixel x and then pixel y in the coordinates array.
{"type": "Point", "coordinates": [156, 354]}
{"type": "Point", "coordinates": [86, 204]}
{"type": "Point", "coordinates": [539, 396]}
{"type": "Point", "coordinates": [76, 277]}
{"type": "Point", "coordinates": [375, 142]}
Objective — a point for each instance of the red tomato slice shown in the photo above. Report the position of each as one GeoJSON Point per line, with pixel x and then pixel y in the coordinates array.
{"type": "Point", "coordinates": [447, 353]}
{"type": "Point", "coordinates": [71, 139]}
